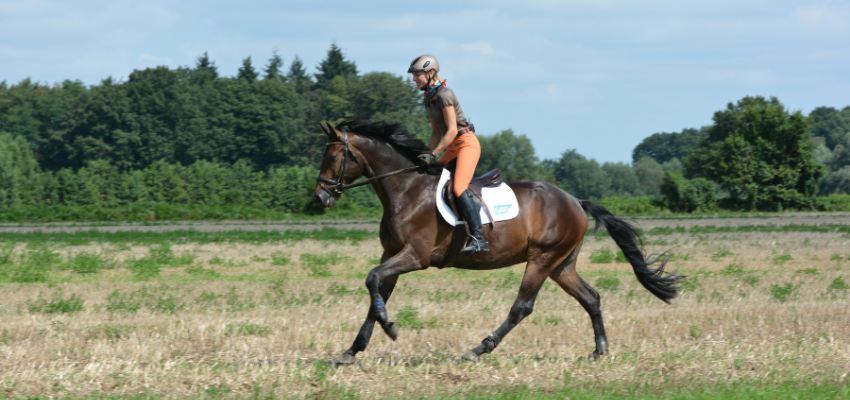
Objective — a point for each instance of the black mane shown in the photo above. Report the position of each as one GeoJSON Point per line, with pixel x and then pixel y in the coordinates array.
{"type": "Point", "coordinates": [404, 142]}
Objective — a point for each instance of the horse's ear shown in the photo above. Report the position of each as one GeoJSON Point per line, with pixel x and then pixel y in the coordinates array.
{"type": "Point", "coordinates": [325, 130]}
{"type": "Point", "coordinates": [331, 132]}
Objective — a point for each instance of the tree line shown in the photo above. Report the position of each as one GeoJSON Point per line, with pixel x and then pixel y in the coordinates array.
{"type": "Point", "coordinates": [194, 137]}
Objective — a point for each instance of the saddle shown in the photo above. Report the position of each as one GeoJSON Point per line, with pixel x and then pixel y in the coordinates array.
{"type": "Point", "coordinates": [490, 180]}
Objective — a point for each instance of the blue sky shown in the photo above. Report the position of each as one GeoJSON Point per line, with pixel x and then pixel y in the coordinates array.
{"type": "Point", "coordinates": [595, 76]}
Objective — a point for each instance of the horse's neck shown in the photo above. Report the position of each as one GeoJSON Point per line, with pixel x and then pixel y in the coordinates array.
{"type": "Point", "coordinates": [398, 191]}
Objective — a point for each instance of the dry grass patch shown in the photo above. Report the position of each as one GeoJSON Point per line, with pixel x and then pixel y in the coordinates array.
{"type": "Point", "coordinates": [262, 323]}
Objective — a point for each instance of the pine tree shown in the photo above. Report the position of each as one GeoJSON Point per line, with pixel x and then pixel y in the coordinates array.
{"type": "Point", "coordinates": [247, 71]}
{"type": "Point", "coordinates": [334, 65]}
{"type": "Point", "coordinates": [273, 70]}
{"type": "Point", "coordinates": [205, 64]}
{"type": "Point", "coordinates": [298, 76]}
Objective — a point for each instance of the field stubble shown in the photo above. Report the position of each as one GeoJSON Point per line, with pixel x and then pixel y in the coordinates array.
{"type": "Point", "coordinates": [767, 307]}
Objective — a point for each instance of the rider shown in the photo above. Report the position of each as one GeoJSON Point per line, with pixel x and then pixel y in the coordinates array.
{"type": "Point", "coordinates": [446, 118]}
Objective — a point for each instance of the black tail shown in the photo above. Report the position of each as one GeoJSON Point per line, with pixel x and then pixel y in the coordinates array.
{"type": "Point", "coordinates": [664, 285]}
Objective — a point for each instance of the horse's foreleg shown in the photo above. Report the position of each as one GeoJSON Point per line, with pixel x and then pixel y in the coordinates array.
{"type": "Point", "coordinates": [403, 262]}
{"type": "Point", "coordinates": [380, 283]}
{"type": "Point", "coordinates": [523, 307]}
{"type": "Point", "coordinates": [365, 334]}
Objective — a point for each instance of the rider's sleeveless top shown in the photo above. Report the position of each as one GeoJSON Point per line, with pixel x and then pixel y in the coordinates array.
{"type": "Point", "coordinates": [444, 97]}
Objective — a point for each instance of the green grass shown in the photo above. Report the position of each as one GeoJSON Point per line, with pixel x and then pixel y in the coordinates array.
{"type": "Point", "coordinates": [784, 292]}
{"type": "Point", "coordinates": [608, 283]}
{"type": "Point", "coordinates": [838, 284]}
{"type": "Point", "coordinates": [698, 391]}
{"type": "Point", "coordinates": [781, 260]}
{"type": "Point", "coordinates": [152, 211]}
{"type": "Point", "coordinates": [602, 256]}
{"type": "Point", "coordinates": [87, 263]}
{"type": "Point", "coordinates": [408, 317]}
{"type": "Point", "coordinates": [85, 237]}
{"type": "Point", "coordinates": [733, 269]}
{"type": "Point", "coordinates": [246, 329]}
{"type": "Point", "coordinates": [712, 229]}
{"type": "Point", "coordinates": [157, 299]}
{"type": "Point", "coordinates": [280, 259]}
{"type": "Point", "coordinates": [741, 390]}
{"type": "Point", "coordinates": [184, 236]}
{"type": "Point", "coordinates": [58, 304]}
{"type": "Point", "coordinates": [317, 264]}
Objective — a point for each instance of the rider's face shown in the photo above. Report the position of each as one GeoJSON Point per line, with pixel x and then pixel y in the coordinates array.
{"type": "Point", "coordinates": [420, 78]}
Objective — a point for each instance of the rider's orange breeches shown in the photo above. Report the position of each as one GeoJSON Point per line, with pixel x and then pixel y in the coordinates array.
{"type": "Point", "coordinates": [467, 150]}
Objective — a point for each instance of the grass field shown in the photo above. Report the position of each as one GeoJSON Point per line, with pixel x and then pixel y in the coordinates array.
{"type": "Point", "coordinates": [763, 314]}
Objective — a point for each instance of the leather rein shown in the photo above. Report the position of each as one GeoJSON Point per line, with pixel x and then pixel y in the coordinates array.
{"type": "Point", "coordinates": [337, 188]}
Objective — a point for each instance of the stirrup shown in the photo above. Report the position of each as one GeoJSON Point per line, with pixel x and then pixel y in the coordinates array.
{"type": "Point", "coordinates": [473, 246]}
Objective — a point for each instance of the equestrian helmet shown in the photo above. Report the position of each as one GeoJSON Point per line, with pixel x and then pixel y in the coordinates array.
{"type": "Point", "coordinates": [425, 63]}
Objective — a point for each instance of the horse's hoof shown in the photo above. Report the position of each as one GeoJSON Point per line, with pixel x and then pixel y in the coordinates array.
{"type": "Point", "coordinates": [594, 356]}
{"type": "Point", "coordinates": [391, 329]}
{"type": "Point", "coordinates": [345, 359]}
{"type": "Point", "coordinates": [471, 356]}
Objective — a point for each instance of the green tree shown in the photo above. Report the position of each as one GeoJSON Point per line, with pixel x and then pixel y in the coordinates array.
{"type": "Point", "coordinates": [683, 195]}
{"type": "Point", "coordinates": [18, 171]}
{"type": "Point", "coordinates": [332, 66]}
{"type": "Point", "coordinates": [829, 123]}
{"type": "Point", "coordinates": [837, 182]}
{"type": "Point", "coordinates": [513, 154]}
{"type": "Point", "coordinates": [624, 180]}
{"type": "Point", "coordinates": [273, 70]}
{"type": "Point", "coordinates": [206, 66]}
{"type": "Point", "coordinates": [761, 154]}
{"type": "Point", "coordinates": [837, 162]}
{"type": "Point", "coordinates": [650, 175]}
{"type": "Point", "coordinates": [247, 72]}
{"type": "Point", "coordinates": [381, 96]}
{"type": "Point", "coordinates": [43, 115]}
{"type": "Point", "coordinates": [268, 131]}
{"type": "Point", "coordinates": [298, 76]}
{"type": "Point", "coordinates": [582, 177]}
{"type": "Point", "coordinates": [663, 147]}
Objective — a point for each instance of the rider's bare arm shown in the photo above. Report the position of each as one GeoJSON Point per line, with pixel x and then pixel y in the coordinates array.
{"type": "Point", "coordinates": [451, 122]}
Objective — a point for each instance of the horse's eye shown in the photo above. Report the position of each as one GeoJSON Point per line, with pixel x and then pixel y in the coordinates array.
{"type": "Point", "coordinates": [332, 159]}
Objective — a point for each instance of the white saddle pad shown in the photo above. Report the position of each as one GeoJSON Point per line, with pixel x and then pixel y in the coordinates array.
{"type": "Point", "coordinates": [501, 200]}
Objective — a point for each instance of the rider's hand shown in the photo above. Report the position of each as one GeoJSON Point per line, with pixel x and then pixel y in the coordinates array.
{"type": "Point", "coordinates": [427, 158]}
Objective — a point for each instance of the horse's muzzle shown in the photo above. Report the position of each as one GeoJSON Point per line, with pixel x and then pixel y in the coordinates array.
{"type": "Point", "coordinates": [324, 200]}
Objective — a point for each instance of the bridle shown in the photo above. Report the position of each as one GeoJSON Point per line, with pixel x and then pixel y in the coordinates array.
{"type": "Point", "coordinates": [337, 188]}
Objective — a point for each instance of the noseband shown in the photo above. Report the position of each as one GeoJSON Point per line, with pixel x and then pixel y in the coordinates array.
{"type": "Point", "coordinates": [336, 188]}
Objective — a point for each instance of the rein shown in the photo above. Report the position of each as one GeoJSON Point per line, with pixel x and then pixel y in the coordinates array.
{"type": "Point", "coordinates": [338, 188]}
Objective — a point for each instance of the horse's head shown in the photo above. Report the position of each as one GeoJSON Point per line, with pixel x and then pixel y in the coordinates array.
{"type": "Point", "coordinates": [340, 166]}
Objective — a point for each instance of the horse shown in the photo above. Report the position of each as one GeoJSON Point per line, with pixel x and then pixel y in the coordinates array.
{"type": "Point", "coordinates": [547, 234]}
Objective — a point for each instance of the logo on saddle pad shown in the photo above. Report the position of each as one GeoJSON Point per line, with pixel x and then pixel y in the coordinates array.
{"type": "Point", "coordinates": [502, 209]}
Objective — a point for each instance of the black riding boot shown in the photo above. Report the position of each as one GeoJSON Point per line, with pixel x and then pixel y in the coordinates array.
{"type": "Point", "coordinates": [476, 242]}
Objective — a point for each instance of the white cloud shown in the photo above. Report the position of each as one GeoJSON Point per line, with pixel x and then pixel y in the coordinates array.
{"type": "Point", "coordinates": [480, 48]}
{"type": "Point", "coordinates": [827, 18]}
{"type": "Point", "coordinates": [149, 59]}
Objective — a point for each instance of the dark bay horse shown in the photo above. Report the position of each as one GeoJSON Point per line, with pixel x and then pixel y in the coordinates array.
{"type": "Point", "coordinates": [547, 234]}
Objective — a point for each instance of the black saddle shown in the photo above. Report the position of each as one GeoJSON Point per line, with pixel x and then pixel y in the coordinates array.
{"type": "Point", "coordinates": [490, 179]}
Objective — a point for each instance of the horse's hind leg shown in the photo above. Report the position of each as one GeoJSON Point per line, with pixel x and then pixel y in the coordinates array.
{"type": "Point", "coordinates": [535, 274]}
{"type": "Point", "coordinates": [567, 277]}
